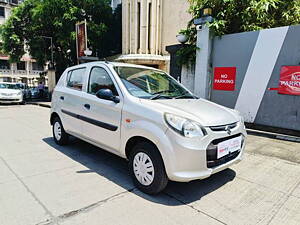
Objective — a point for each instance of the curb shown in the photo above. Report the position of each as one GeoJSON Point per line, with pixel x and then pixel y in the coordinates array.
{"type": "Point", "coordinates": [274, 135]}
{"type": "Point", "coordinates": [40, 104]}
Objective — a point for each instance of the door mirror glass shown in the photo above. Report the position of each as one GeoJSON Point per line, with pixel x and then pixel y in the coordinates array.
{"type": "Point", "coordinates": [107, 95]}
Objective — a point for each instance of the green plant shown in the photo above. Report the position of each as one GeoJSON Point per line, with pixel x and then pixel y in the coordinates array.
{"type": "Point", "coordinates": [32, 20]}
{"type": "Point", "coordinates": [186, 55]}
{"type": "Point", "coordinates": [233, 16]}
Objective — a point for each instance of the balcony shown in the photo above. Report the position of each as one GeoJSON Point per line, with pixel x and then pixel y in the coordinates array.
{"type": "Point", "coordinates": [5, 72]}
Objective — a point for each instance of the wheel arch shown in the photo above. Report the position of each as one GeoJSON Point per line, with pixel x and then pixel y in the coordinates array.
{"type": "Point", "coordinates": [131, 142]}
{"type": "Point", "coordinates": [53, 116]}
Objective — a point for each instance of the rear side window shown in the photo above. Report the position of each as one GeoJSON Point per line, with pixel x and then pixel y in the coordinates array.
{"type": "Point", "coordinates": [75, 79]}
{"type": "Point", "coordinates": [100, 79]}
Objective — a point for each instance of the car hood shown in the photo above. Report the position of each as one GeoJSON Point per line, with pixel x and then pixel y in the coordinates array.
{"type": "Point", "coordinates": [205, 112]}
{"type": "Point", "coordinates": [9, 91]}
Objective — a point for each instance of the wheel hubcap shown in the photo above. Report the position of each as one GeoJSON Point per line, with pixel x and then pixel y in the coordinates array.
{"type": "Point", "coordinates": [57, 131]}
{"type": "Point", "coordinates": [143, 168]}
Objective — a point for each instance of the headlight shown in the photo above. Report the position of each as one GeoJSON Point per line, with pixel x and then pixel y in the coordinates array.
{"type": "Point", "coordinates": [184, 126]}
{"type": "Point", "coordinates": [19, 93]}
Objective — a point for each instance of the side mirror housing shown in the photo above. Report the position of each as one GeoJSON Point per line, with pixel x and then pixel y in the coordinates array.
{"type": "Point", "coordinates": [107, 94]}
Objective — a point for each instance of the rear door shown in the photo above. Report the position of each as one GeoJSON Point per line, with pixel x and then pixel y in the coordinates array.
{"type": "Point", "coordinates": [71, 100]}
{"type": "Point", "coordinates": [102, 118]}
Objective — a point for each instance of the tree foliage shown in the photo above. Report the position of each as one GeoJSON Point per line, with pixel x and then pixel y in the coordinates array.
{"type": "Point", "coordinates": [233, 16]}
{"type": "Point", "coordinates": [33, 19]}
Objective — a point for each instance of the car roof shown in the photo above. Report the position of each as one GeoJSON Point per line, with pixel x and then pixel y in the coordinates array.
{"type": "Point", "coordinates": [113, 64]}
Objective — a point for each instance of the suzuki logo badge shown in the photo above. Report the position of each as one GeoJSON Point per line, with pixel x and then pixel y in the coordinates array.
{"type": "Point", "coordinates": [227, 128]}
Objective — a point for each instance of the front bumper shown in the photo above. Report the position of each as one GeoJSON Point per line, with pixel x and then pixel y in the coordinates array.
{"type": "Point", "coordinates": [11, 99]}
{"type": "Point", "coordinates": [191, 159]}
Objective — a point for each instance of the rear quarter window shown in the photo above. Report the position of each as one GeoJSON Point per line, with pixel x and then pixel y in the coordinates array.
{"type": "Point", "coordinates": [75, 78]}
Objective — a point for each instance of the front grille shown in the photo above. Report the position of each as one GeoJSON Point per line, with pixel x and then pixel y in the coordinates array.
{"type": "Point", "coordinates": [223, 160]}
{"type": "Point", "coordinates": [217, 141]}
{"type": "Point", "coordinates": [224, 127]}
{"type": "Point", "coordinates": [211, 152]}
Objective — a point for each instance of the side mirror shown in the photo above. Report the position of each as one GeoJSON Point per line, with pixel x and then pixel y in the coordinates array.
{"type": "Point", "coordinates": [107, 95]}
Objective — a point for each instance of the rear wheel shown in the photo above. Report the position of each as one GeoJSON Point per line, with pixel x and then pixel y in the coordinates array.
{"type": "Point", "coordinates": [59, 134]}
{"type": "Point", "coordinates": [147, 168]}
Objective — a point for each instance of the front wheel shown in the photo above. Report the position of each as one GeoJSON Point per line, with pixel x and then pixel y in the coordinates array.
{"type": "Point", "coordinates": [59, 134]}
{"type": "Point", "coordinates": [147, 168]}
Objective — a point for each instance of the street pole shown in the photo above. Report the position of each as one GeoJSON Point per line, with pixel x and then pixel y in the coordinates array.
{"type": "Point", "coordinates": [52, 56]}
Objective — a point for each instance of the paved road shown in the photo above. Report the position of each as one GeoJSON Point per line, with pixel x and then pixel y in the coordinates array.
{"type": "Point", "coordinates": [41, 183]}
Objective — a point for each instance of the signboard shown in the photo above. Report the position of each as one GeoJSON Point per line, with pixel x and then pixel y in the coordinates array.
{"type": "Point", "coordinates": [289, 82]}
{"type": "Point", "coordinates": [224, 78]}
{"type": "Point", "coordinates": [81, 39]}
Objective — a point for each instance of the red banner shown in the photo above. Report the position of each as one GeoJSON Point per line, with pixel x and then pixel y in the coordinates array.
{"type": "Point", "coordinates": [289, 82]}
{"type": "Point", "coordinates": [81, 39]}
{"type": "Point", "coordinates": [224, 78]}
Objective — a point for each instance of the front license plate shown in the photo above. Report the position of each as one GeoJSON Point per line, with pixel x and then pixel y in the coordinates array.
{"type": "Point", "coordinates": [229, 146]}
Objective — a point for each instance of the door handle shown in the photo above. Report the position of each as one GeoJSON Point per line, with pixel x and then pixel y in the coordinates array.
{"type": "Point", "coordinates": [62, 97]}
{"type": "Point", "coordinates": [87, 106]}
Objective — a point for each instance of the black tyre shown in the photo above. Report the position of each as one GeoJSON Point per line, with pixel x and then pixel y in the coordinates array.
{"type": "Point", "coordinates": [59, 134]}
{"type": "Point", "coordinates": [147, 168]}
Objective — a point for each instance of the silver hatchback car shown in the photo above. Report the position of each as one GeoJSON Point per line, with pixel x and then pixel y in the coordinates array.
{"type": "Point", "coordinates": [144, 115]}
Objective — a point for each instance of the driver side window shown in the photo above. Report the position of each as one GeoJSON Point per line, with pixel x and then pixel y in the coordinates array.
{"type": "Point", "coordinates": [100, 79]}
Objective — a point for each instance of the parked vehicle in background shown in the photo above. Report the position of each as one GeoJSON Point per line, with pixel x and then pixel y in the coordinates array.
{"type": "Point", "coordinates": [34, 93]}
{"type": "Point", "coordinates": [25, 89]}
{"type": "Point", "coordinates": [144, 115]}
{"type": "Point", "coordinates": [10, 93]}
{"type": "Point", "coordinates": [46, 93]}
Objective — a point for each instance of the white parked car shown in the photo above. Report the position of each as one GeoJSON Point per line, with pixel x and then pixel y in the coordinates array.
{"type": "Point", "coordinates": [10, 93]}
{"type": "Point", "coordinates": [144, 115]}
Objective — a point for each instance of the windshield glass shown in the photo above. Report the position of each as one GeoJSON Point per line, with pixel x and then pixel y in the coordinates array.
{"type": "Point", "coordinates": [151, 84]}
{"type": "Point", "coordinates": [8, 86]}
{"type": "Point", "coordinates": [20, 86]}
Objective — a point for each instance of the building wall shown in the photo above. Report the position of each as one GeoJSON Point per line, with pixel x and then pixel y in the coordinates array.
{"type": "Point", "coordinates": [148, 27]}
{"type": "Point", "coordinates": [175, 17]}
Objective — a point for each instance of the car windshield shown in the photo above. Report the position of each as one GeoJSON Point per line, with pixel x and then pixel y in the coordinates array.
{"type": "Point", "coordinates": [8, 86]}
{"type": "Point", "coordinates": [20, 86]}
{"type": "Point", "coordinates": [150, 84]}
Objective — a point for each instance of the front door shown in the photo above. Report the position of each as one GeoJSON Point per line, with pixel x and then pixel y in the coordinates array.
{"type": "Point", "coordinates": [102, 118]}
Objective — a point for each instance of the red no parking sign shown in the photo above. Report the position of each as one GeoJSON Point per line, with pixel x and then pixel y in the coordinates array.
{"type": "Point", "coordinates": [289, 82]}
{"type": "Point", "coordinates": [224, 78]}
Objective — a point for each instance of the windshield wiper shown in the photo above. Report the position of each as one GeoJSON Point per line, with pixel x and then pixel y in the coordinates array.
{"type": "Point", "coordinates": [185, 96]}
{"type": "Point", "coordinates": [158, 96]}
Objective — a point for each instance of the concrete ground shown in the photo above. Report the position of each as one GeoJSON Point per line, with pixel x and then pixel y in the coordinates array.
{"type": "Point", "coordinates": [42, 183]}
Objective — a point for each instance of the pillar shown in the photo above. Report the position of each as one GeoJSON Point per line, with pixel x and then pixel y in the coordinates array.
{"type": "Point", "coordinates": [203, 62]}
{"type": "Point", "coordinates": [51, 80]}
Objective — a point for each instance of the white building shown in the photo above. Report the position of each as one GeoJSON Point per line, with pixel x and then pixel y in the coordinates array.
{"type": "Point", "coordinates": [148, 26]}
{"type": "Point", "coordinates": [27, 70]}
